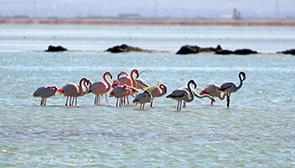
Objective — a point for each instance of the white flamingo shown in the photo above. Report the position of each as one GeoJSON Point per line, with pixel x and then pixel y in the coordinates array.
{"type": "Point", "coordinates": [142, 99]}
{"type": "Point", "coordinates": [45, 92]}
{"type": "Point", "coordinates": [183, 94]}
{"type": "Point", "coordinates": [229, 87]}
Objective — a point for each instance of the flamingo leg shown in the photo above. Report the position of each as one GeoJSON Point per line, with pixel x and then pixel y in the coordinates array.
{"type": "Point", "coordinates": [122, 102]}
{"type": "Point", "coordinates": [41, 103]}
{"type": "Point", "coordinates": [152, 103]}
{"type": "Point", "coordinates": [67, 101]}
{"type": "Point", "coordinates": [71, 101]}
{"type": "Point", "coordinates": [184, 104]}
{"type": "Point", "coordinates": [177, 105]}
{"type": "Point", "coordinates": [98, 96]}
{"type": "Point", "coordinates": [95, 99]}
{"type": "Point", "coordinates": [45, 100]}
{"type": "Point", "coordinates": [127, 100]}
{"type": "Point", "coordinates": [76, 101]}
{"type": "Point", "coordinates": [117, 102]}
{"type": "Point", "coordinates": [107, 98]}
{"type": "Point", "coordinates": [143, 106]}
{"type": "Point", "coordinates": [228, 100]}
{"type": "Point", "coordinates": [140, 106]}
{"type": "Point", "coordinates": [180, 105]}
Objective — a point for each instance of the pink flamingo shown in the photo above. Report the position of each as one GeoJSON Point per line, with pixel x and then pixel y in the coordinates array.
{"type": "Point", "coordinates": [124, 79]}
{"type": "Point", "coordinates": [45, 92]}
{"type": "Point", "coordinates": [73, 91]}
{"type": "Point", "coordinates": [101, 88]}
{"type": "Point", "coordinates": [212, 90]}
{"type": "Point", "coordinates": [229, 87]}
{"type": "Point", "coordinates": [139, 83]}
{"type": "Point", "coordinates": [120, 92]}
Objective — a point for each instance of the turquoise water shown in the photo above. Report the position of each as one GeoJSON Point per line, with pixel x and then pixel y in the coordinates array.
{"type": "Point", "coordinates": [257, 131]}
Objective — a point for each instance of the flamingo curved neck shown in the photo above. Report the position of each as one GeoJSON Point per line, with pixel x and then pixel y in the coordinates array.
{"type": "Point", "coordinates": [241, 84]}
{"type": "Point", "coordinates": [81, 90]}
{"type": "Point", "coordinates": [132, 78]}
{"type": "Point", "coordinates": [106, 81]}
{"type": "Point", "coordinates": [163, 89]}
{"type": "Point", "coordinates": [191, 95]}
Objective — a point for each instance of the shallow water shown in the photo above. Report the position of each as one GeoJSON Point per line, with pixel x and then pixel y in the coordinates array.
{"type": "Point", "coordinates": [257, 131]}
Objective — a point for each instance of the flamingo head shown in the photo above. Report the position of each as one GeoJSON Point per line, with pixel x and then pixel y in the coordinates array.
{"type": "Point", "coordinates": [242, 76]}
{"type": "Point", "coordinates": [133, 90]}
{"type": "Point", "coordinates": [115, 83]}
{"type": "Point", "coordinates": [54, 88]}
{"type": "Point", "coordinates": [193, 83]}
{"type": "Point", "coordinates": [109, 74]}
{"type": "Point", "coordinates": [136, 72]}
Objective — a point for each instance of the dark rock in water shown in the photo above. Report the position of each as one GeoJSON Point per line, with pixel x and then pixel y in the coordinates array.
{"type": "Point", "coordinates": [236, 52]}
{"type": "Point", "coordinates": [56, 49]}
{"type": "Point", "coordinates": [244, 52]}
{"type": "Point", "coordinates": [187, 49]}
{"type": "Point", "coordinates": [124, 48]}
{"type": "Point", "coordinates": [218, 47]}
{"type": "Point", "coordinates": [291, 51]}
{"type": "Point", "coordinates": [224, 52]}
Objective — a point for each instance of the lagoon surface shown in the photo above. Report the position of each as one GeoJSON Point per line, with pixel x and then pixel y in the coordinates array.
{"type": "Point", "coordinates": [257, 131]}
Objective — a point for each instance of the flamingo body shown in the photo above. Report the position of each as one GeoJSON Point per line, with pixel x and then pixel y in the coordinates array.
{"type": "Point", "coordinates": [101, 88]}
{"type": "Point", "coordinates": [229, 87]}
{"type": "Point", "coordinates": [45, 92]}
{"type": "Point", "coordinates": [143, 98]}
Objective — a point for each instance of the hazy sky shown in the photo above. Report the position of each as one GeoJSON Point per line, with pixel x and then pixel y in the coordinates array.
{"type": "Point", "coordinates": [148, 8]}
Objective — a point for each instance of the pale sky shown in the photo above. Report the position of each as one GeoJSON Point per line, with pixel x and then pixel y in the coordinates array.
{"type": "Point", "coordinates": [148, 8]}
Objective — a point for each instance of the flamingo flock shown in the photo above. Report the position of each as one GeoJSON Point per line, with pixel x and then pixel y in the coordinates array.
{"type": "Point", "coordinates": [127, 85]}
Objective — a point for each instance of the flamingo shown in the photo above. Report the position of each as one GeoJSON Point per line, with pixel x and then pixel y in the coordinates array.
{"type": "Point", "coordinates": [157, 91]}
{"type": "Point", "coordinates": [143, 98]}
{"type": "Point", "coordinates": [212, 90]}
{"type": "Point", "coordinates": [139, 83]}
{"type": "Point", "coordinates": [101, 88]}
{"type": "Point", "coordinates": [45, 92]}
{"type": "Point", "coordinates": [229, 87]}
{"type": "Point", "coordinates": [120, 92]}
{"type": "Point", "coordinates": [183, 94]}
{"type": "Point", "coordinates": [124, 79]}
{"type": "Point", "coordinates": [73, 91]}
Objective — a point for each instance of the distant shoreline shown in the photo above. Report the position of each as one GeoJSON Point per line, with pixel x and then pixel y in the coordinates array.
{"type": "Point", "coordinates": [168, 22]}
